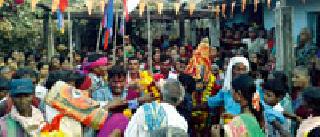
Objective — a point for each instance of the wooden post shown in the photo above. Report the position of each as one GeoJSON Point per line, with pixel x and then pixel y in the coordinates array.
{"type": "Point", "coordinates": [70, 38]}
{"type": "Point", "coordinates": [284, 53]}
{"type": "Point", "coordinates": [98, 39]}
{"type": "Point", "coordinates": [149, 40]}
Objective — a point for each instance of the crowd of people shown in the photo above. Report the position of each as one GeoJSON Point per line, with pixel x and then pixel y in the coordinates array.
{"type": "Point", "coordinates": [187, 91]}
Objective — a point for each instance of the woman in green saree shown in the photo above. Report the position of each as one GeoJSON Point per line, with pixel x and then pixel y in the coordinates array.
{"type": "Point", "coordinates": [245, 124]}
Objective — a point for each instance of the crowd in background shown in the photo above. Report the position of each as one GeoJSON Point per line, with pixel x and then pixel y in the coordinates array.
{"type": "Point", "coordinates": [231, 90]}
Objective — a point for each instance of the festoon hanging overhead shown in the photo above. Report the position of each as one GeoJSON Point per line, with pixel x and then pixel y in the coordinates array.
{"type": "Point", "coordinates": [256, 2]}
{"type": "Point", "coordinates": [192, 6]}
{"type": "Point", "coordinates": [89, 4]}
{"type": "Point", "coordinates": [243, 5]}
{"type": "Point", "coordinates": [233, 5]}
{"type": "Point", "coordinates": [160, 6]}
{"type": "Point", "coordinates": [142, 5]}
{"type": "Point", "coordinates": [176, 7]}
{"type": "Point", "coordinates": [223, 7]}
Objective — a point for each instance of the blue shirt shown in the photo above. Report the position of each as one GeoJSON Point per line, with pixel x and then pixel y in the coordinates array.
{"type": "Point", "coordinates": [224, 98]}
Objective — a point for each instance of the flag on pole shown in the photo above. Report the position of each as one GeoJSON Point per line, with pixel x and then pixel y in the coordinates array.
{"type": "Point", "coordinates": [105, 17]}
{"type": "Point", "coordinates": [110, 14]}
{"type": "Point", "coordinates": [63, 5]}
{"type": "Point", "coordinates": [106, 40]}
{"type": "Point", "coordinates": [60, 20]}
{"type": "Point", "coordinates": [108, 18]}
{"type": "Point", "coordinates": [122, 27]}
{"type": "Point", "coordinates": [125, 6]}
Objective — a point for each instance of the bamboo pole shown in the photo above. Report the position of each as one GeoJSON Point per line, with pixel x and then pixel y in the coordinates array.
{"type": "Point", "coordinates": [70, 38]}
{"type": "Point", "coordinates": [115, 38]}
{"type": "Point", "coordinates": [98, 39]}
{"type": "Point", "coordinates": [149, 40]}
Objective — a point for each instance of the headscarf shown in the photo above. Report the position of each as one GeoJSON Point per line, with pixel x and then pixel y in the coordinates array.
{"type": "Point", "coordinates": [228, 74]}
{"type": "Point", "coordinates": [90, 65]}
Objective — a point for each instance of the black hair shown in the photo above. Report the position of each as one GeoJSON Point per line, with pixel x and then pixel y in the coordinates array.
{"type": "Point", "coordinates": [244, 84]}
{"type": "Point", "coordinates": [94, 57]}
{"type": "Point", "coordinates": [40, 65]}
{"type": "Point", "coordinates": [276, 86]}
{"type": "Point", "coordinates": [164, 58]}
{"type": "Point", "coordinates": [133, 58]}
{"type": "Point", "coordinates": [315, 77]}
{"type": "Point", "coordinates": [25, 73]}
{"type": "Point", "coordinates": [188, 82]}
{"type": "Point", "coordinates": [117, 70]}
{"type": "Point", "coordinates": [79, 79]}
{"type": "Point", "coordinates": [312, 95]}
{"type": "Point", "coordinates": [315, 132]}
{"type": "Point", "coordinates": [59, 75]}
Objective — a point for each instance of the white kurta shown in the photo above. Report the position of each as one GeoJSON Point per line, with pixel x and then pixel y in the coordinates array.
{"type": "Point", "coordinates": [136, 126]}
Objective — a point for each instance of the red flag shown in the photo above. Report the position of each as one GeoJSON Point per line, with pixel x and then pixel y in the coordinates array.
{"type": "Point", "coordinates": [126, 10]}
{"type": "Point", "coordinates": [19, 1]}
{"type": "Point", "coordinates": [63, 5]}
{"type": "Point", "coordinates": [106, 38]}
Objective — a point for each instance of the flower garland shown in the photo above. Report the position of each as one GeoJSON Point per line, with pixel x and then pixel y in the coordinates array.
{"type": "Point", "coordinates": [148, 85]}
{"type": "Point", "coordinates": [207, 92]}
{"type": "Point", "coordinates": [200, 115]}
{"type": "Point", "coordinates": [209, 88]}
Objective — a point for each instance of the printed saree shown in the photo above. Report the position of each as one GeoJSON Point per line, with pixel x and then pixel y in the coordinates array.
{"type": "Point", "coordinates": [244, 125]}
{"type": "Point", "coordinates": [71, 102]}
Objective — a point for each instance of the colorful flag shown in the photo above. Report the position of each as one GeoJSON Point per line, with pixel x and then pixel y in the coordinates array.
{"type": "Point", "coordinates": [106, 38]}
{"type": "Point", "coordinates": [122, 27]}
{"type": "Point", "coordinates": [125, 6]}
{"type": "Point", "coordinates": [105, 17]}
{"type": "Point", "coordinates": [63, 5]}
{"type": "Point", "coordinates": [60, 20]}
{"type": "Point", "coordinates": [110, 15]}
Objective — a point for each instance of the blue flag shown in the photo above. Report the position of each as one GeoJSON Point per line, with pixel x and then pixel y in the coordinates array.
{"type": "Point", "coordinates": [60, 19]}
{"type": "Point", "coordinates": [110, 14]}
{"type": "Point", "coordinates": [105, 17]}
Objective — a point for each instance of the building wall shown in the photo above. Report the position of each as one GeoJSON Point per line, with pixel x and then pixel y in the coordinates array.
{"type": "Point", "coordinates": [300, 15]}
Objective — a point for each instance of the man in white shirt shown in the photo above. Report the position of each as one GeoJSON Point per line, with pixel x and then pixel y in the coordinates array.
{"type": "Point", "coordinates": [153, 117]}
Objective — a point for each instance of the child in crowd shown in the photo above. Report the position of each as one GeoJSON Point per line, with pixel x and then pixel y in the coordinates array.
{"type": "Point", "coordinates": [273, 111]}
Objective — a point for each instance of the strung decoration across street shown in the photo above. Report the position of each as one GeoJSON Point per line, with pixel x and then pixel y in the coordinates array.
{"type": "Point", "coordinates": [125, 10]}
{"type": "Point", "coordinates": [233, 5]}
{"type": "Point", "coordinates": [256, 2]}
{"type": "Point", "coordinates": [141, 8]}
{"type": "Point", "coordinates": [192, 7]}
{"type": "Point", "coordinates": [54, 6]}
{"type": "Point", "coordinates": [269, 3]}
{"type": "Point", "coordinates": [33, 5]}
{"type": "Point", "coordinates": [176, 7]}
{"type": "Point", "coordinates": [217, 11]}
{"type": "Point", "coordinates": [223, 6]}
{"type": "Point", "coordinates": [160, 7]}
{"type": "Point", "coordinates": [243, 5]}
{"type": "Point", "coordinates": [19, 1]}
{"type": "Point", "coordinates": [102, 4]}
{"type": "Point", "coordinates": [89, 4]}
{"type": "Point", "coordinates": [63, 5]}
{"type": "Point", "coordinates": [60, 21]}
{"type": "Point", "coordinates": [1, 3]}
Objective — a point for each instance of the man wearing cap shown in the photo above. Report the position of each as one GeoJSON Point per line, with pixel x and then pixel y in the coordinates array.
{"type": "Point", "coordinates": [23, 119]}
